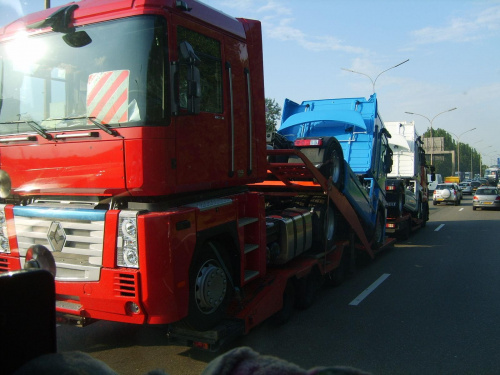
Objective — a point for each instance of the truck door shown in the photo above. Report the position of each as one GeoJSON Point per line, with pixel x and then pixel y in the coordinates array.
{"type": "Point", "coordinates": [201, 145]}
{"type": "Point", "coordinates": [213, 146]}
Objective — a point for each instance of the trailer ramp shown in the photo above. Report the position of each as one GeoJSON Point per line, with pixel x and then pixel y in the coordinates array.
{"type": "Point", "coordinates": [306, 177]}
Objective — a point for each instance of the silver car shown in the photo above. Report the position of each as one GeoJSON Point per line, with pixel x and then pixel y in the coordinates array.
{"type": "Point", "coordinates": [466, 188]}
{"type": "Point", "coordinates": [486, 197]}
{"type": "Point", "coordinates": [446, 193]}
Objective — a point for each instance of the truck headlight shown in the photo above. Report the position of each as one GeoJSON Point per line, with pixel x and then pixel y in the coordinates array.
{"type": "Point", "coordinates": [4, 237]}
{"type": "Point", "coordinates": [127, 252]}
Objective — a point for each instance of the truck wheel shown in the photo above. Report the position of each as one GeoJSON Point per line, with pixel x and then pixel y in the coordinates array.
{"type": "Point", "coordinates": [339, 274]}
{"type": "Point", "coordinates": [209, 287]}
{"type": "Point", "coordinates": [284, 315]}
{"type": "Point", "coordinates": [307, 288]}
{"type": "Point", "coordinates": [425, 210]}
{"type": "Point", "coordinates": [406, 232]}
{"type": "Point", "coordinates": [378, 235]}
{"type": "Point", "coordinates": [334, 167]}
{"type": "Point", "coordinates": [324, 224]}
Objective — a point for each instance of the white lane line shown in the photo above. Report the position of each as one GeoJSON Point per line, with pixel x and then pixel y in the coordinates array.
{"type": "Point", "coordinates": [356, 301]}
{"type": "Point", "coordinates": [438, 228]}
{"type": "Point", "coordinates": [461, 209]}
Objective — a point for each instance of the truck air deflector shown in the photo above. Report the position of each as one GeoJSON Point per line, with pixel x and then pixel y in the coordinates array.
{"type": "Point", "coordinates": [60, 214]}
{"type": "Point", "coordinates": [346, 119]}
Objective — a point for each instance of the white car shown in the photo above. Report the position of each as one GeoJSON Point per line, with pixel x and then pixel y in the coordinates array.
{"type": "Point", "coordinates": [446, 193]}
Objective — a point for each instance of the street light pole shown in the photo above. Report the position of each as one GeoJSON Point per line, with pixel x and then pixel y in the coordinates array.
{"type": "Point", "coordinates": [431, 121]}
{"type": "Point", "coordinates": [471, 170]}
{"type": "Point", "coordinates": [458, 146]}
{"type": "Point", "coordinates": [373, 81]}
{"type": "Point", "coordinates": [481, 162]}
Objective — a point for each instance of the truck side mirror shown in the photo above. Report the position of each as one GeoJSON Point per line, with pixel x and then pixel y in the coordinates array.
{"type": "Point", "coordinates": [194, 90]}
{"type": "Point", "coordinates": [189, 79]}
{"type": "Point", "coordinates": [433, 177]}
{"type": "Point", "coordinates": [388, 161]}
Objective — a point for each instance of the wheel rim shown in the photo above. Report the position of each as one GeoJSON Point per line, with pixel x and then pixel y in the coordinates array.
{"type": "Point", "coordinates": [211, 287]}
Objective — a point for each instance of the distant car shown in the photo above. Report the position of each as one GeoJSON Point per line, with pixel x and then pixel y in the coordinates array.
{"type": "Point", "coordinates": [486, 197]}
{"type": "Point", "coordinates": [446, 193]}
{"type": "Point", "coordinates": [466, 188]}
{"type": "Point", "coordinates": [475, 185]}
{"type": "Point", "coordinates": [459, 191]}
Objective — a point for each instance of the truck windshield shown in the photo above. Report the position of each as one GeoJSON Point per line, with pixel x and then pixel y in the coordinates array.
{"type": "Point", "coordinates": [117, 79]}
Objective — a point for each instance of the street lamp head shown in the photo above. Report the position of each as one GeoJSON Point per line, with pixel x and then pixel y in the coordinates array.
{"type": "Point", "coordinates": [370, 78]}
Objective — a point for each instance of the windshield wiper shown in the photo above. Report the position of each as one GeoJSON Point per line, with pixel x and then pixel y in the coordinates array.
{"type": "Point", "coordinates": [103, 127]}
{"type": "Point", "coordinates": [92, 119]}
{"type": "Point", "coordinates": [33, 125]}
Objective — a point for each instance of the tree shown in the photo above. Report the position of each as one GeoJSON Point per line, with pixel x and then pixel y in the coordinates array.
{"type": "Point", "coordinates": [273, 114]}
{"type": "Point", "coordinates": [444, 163]}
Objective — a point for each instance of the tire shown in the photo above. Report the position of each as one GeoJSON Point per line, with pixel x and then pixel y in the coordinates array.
{"type": "Point", "coordinates": [457, 202]}
{"type": "Point", "coordinates": [286, 312]}
{"type": "Point", "coordinates": [324, 225]}
{"type": "Point", "coordinates": [339, 274]}
{"type": "Point", "coordinates": [307, 288]}
{"type": "Point", "coordinates": [378, 233]}
{"type": "Point", "coordinates": [333, 165]}
{"type": "Point", "coordinates": [425, 211]}
{"type": "Point", "coordinates": [406, 232]}
{"type": "Point", "coordinates": [474, 208]}
{"type": "Point", "coordinates": [209, 287]}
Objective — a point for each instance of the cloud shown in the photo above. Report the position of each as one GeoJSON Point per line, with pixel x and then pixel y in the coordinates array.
{"type": "Point", "coordinates": [282, 31]}
{"type": "Point", "coordinates": [462, 29]}
{"type": "Point", "coordinates": [274, 7]}
{"type": "Point", "coordinates": [13, 4]}
{"type": "Point", "coordinates": [277, 18]}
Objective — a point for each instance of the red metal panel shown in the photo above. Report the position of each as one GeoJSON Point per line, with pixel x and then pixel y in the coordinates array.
{"type": "Point", "coordinates": [110, 239]}
{"type": "Point", "coordinates": [9, 263]}
{"type": "Point", "coordinates": [150, 166]}
{"type": "Point", "coordinates": [98, 300]}
{"type": "Point", "coordinates": [55, 167]}
{"type": "Point", "coordinates": [166, 249]}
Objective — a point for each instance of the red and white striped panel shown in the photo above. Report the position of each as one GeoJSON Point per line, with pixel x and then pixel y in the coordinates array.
{"type": "Point", "coordinates": [107, 96]}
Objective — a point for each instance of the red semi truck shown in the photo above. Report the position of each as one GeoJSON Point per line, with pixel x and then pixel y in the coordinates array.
{"type": "Point", "coordinates": [135, 167]}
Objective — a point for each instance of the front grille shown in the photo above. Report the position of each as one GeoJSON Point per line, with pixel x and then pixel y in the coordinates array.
{"type": "Point", "coordinates": [78, 247]}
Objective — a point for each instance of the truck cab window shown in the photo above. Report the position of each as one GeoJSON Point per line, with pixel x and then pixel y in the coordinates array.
{"type": "Point", "coordinates": [47, 81]}
{"type": "Point", "coordinates": [208, 50]}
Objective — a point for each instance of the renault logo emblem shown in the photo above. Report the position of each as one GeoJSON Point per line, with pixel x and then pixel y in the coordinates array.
{"type": "Point", "coordinates": [56, 236]}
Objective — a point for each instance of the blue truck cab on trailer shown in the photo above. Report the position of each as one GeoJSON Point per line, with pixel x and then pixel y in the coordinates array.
{"type": "Point", "coordinates": [346, 139]}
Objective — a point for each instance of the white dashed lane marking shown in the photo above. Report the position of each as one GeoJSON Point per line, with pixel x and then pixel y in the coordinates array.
{"type": "Point", "coordinates": [356, 301]}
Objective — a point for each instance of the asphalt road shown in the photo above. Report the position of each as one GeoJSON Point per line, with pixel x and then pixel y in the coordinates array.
{"type": "Point", "coordinates": [434, 310]}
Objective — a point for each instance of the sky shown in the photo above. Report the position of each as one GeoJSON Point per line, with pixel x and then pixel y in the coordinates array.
{"type": "Point", "coordinates": [453, 48]}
